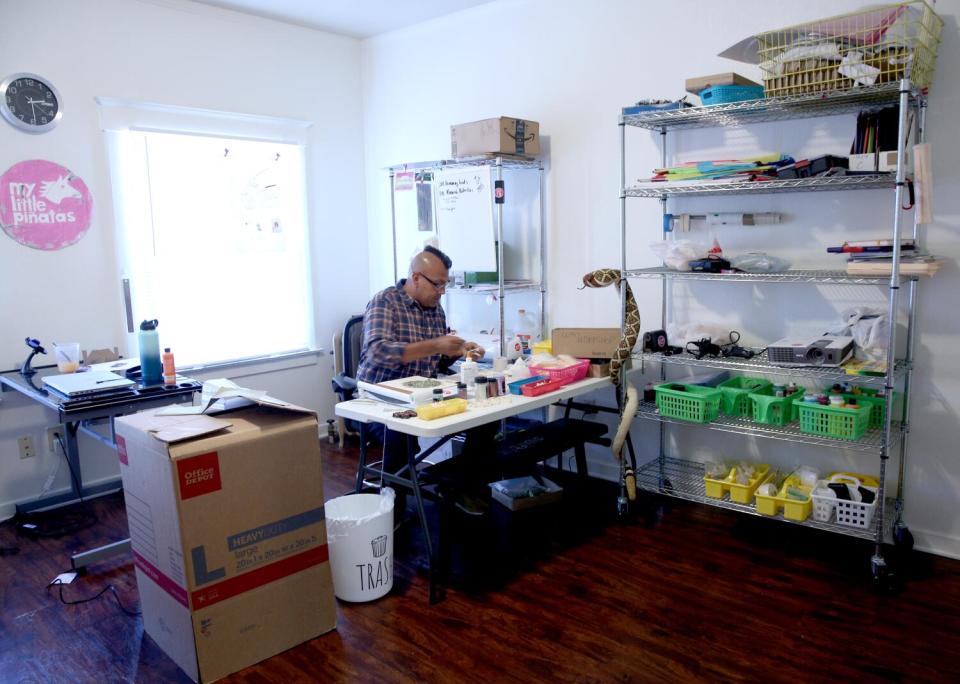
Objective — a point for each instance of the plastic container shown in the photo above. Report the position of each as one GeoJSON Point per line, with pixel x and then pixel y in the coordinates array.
{"type": "Point", "coordinates": [730, 93]}
{"type": "Point", "coordinates": [535, 389]}
{"type": "Point", "coordinates": [360, 537]}
{"type": "Point", "coordinates": [468, 371]}
{"type": "Point", "coordinates": [169, 368]}
{"type": "Point", "coordinates": [849, 513]}
{"type": "Point", "coordinates": [739, 493]}
{"type": "Point", "coordinates": [516, 386]}
{"type": "Point", "coordinates": [565, 375]}
{"type": "Point", "coordinates": [151, 368]}
{"type": "Point", "coordinates": [793, 509]}
{"type": "Point", "coordinates": [736, 394]}
{"type": "Point", "coordinates": [439, 409]}
{"type": "Point", "coordinates": [879, 405]}
{"type": "Point", "coordinates": [67, 355]}
{"type": "Point", "coordinates": [543, 347]}
{"type": "Point", "coordinates": [768, 409]}
{"type": "Point", "coordinates": [693, 403]}
{"type": "Point", "coordinates": [830, 421]}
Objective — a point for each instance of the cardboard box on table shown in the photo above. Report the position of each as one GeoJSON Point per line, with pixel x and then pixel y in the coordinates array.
{"type": "Point", "coordinates": [228, 533]}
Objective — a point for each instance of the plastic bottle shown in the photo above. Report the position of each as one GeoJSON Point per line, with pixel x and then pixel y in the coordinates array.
{"type": "Point", "coordinates": [151, 370]}
{"type": "Point", "coordinates": [169, 368]}
{"type": "Point", "coordinates": [468, 371]}
{"type": "Point", "coordinates": [527, 330]}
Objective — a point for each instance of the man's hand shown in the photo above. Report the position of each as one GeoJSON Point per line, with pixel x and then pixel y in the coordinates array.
{"type": "Point", "coordinates": [449, 345]}
{"type": "Point", "coordinates": [474, 350]}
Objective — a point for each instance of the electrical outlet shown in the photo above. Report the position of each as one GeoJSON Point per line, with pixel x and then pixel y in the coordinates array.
{"type": "Point", "coordinates": [52, 432]}
{"type": "Point", "coordinates": [26, 446]}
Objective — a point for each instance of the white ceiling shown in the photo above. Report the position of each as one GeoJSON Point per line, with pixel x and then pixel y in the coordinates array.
{"type": "Point", "coordinates": [357, 18]}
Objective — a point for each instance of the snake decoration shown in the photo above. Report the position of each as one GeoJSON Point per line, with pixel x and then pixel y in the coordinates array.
{"type": "Point", "coordinates": [631, 331]}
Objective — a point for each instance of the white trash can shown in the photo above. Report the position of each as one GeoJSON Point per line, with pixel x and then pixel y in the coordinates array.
{"type": "Point", "coordinates": [360, 538]}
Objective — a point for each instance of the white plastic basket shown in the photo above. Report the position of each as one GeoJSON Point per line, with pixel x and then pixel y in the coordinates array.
{"type": "Point", "coordinates": [849, 513]}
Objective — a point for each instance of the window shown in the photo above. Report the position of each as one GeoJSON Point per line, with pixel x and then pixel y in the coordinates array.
{"type": "Point", "coordinates": [212, 235]}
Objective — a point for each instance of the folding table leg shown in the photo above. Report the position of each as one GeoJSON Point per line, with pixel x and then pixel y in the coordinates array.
{"type": "Point", "coordinates": [434, 573]}
{"type": "Point", "coordinates": [362, 466]}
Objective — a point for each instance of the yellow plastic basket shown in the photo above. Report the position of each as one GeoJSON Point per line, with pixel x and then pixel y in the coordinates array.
{"type": "Point", "coordinates": [793, 509]}
{"type": "Point", "coordinates": [739, 493]}
{"type": "Point", "coordinates": [881, 44]}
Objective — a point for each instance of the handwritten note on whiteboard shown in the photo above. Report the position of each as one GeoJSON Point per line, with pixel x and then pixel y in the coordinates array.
{"type": "Point", "coordinates": [464, 199]}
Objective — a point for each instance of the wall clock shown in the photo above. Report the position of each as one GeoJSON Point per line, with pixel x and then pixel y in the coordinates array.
{"type": "Point", "coordinates": [30, 103]}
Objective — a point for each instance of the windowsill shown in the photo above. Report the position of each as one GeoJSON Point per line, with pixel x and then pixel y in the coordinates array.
{"type": "Point", "coordinates": [260, 364]}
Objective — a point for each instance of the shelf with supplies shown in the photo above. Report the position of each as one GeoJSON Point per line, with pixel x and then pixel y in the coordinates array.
{"type": "Point", "coordinates": [819, 375]}
{"type": "Point", "coordinates": [493, 288]}
{"type": "Point", "coordinates": [672, 476]}
{"type": "Point", "coordinates": [683, 479]}
{"type": "Point", "coordinates": [661, 190]}
{"type": "Point", "coordinates": [871, 442]}
{"type": "Point", "coordinates": [793, 276]}
{"type": "Point", "coordinates": [768, 109]}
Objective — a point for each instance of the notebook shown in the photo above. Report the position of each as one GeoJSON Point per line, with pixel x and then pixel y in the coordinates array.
{"type": "Point", "coordinates": [85, 384]}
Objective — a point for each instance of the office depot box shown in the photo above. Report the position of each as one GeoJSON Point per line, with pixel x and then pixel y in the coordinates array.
{"type": "Point", "coordinates": [700, 83]}
{"type": "Point", "coordinates": [504, 135]}
{"type": "Point", "coordinates": [228, 533]}
{"type": "Point", "coordinates": [586, 343]}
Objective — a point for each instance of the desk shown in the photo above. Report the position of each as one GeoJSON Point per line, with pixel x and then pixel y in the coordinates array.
{"type": "Point", "coordinates": [78, 414]}
{"type": "Point", "coordinates": [367, 411]}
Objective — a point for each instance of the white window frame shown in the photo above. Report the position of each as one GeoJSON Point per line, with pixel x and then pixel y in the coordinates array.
{"type": "Point", "coordinates": [118, 117]}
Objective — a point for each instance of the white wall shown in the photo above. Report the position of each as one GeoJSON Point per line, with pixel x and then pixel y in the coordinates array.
{"type": "Point", "coordinates": [571, 66]}
{"type": "Point", "coordinates": [180, 53]}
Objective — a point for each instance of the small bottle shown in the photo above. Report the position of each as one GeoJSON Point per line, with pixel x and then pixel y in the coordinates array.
{"type": "Point", "coordinates": [493, 390]}
{"type": "Point", "coordinates": [437, 395]}
{"type": "Point", "coordinates": [151, 369]}
{"type": "Point", "coordinates": [462, 390]}
{"type": "Point", "coordinates": [169, 368]}
{"type": "Point", "coordinates": [480, 388]}
{"type": "Point", "coordinates": [649, 393]}
{"type": "Point", "coordinates": [468, 371]}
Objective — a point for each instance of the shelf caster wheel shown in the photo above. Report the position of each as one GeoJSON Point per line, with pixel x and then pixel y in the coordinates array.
{"type": "Point", "coordinates": [902, 537]}
{"type": "Point", "coordinates": [623, 506]}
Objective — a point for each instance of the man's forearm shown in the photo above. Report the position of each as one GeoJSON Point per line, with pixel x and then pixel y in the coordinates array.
{"type": "Point", "coordinates": [418, 350]}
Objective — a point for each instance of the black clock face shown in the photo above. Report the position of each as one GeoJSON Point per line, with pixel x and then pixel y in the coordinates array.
{"type": "Point", "coordinates": [31, 101]}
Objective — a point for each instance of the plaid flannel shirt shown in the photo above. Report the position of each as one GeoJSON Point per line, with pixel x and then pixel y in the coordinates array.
{"type": "Point", "coordinates": [393, 320]}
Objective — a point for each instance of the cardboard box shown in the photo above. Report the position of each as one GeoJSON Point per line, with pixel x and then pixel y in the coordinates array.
{"type": "Point", "coordinates": [504, 135]}
{"type": "Point", "coordinates": [501, 491]}
{"type": "Point", "coordinates": [598, 370]}
{"type": "Point", "coordinates": [586, 343]}
{"type": "Point", "coordinates": [228, 533]}
{"type": "Point", "coordinates": [700, 83]}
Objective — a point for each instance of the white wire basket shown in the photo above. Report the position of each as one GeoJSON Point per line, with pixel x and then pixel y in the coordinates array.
{"type": "Point", "coordinates": [881, 44]}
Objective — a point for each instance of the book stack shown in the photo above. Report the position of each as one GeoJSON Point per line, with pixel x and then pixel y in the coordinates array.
{"type": "Point", "coordinates": [875, 258]}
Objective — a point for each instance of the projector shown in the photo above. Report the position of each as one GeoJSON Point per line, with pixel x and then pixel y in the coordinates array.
{"type": "Point", "coordinates": [818, 351]}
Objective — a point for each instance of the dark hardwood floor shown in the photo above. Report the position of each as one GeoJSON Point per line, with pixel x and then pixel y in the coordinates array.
{"type": "Point", "coordinates": [568, 594]}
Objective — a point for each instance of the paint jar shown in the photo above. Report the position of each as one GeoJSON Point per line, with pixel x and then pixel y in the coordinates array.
{"type": "Point", "coordinates": [492, 389]}
{"type": "Point", "coordinates": [437, 395]}
{"type": "Point", "coordinates": [810, 398]}
{"type": "Point", "coordinates": [462, 390]}
{"type": "Point", "coordinates": [836, 400]}
{"type": "Point", "coordinates": [779, 391]}
{"type": "Point", "coordinates": [480, 388]}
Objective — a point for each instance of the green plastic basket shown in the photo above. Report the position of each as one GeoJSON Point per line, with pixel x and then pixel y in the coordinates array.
{"type": "Point", "coordinates": [694, 403]}
{"type": "Point", "coordinates": [830, 421]}
{"type": "Point", "coordinates": [772, 410]}
{"type": "Point", "coordinates": [879, 405]}
{"type": "Point", "coordinates": [736, 394]}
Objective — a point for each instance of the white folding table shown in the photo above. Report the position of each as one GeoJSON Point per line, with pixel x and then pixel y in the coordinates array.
{"type": "Point", "coordinates": [366, 411]}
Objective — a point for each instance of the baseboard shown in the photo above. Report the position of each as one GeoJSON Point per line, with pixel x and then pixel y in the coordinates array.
{"type": "Point", "coordinates": [935, 543]}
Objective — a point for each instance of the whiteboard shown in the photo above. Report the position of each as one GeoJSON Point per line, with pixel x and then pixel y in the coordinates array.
{"type": "Point", "coordinates": [464, 201]}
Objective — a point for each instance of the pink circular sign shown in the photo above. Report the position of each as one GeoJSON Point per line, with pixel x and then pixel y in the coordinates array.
{"type": "Point", "coordinates": [43, 205]}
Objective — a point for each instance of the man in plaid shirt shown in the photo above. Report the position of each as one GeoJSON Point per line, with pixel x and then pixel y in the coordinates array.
{"type": "Point", "coordinates": [405, 328]}
{"type": "Point", "coordinates": [405, 333]}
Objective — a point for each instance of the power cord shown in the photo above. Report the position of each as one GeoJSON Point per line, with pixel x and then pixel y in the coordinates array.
{"type": "Point", "coordinates": [59, 584]}
{"type": "Point", "coordinates": [34, 525]}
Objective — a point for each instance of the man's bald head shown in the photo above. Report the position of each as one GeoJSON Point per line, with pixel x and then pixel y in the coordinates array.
{"type": "Point", "coordinates": [430, 259]}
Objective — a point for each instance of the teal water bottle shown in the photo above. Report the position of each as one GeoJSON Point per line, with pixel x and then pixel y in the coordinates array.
{"type": "Point", "coordinates": [151, 369]}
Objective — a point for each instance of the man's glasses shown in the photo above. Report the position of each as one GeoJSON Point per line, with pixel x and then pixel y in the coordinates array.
{"type": "Point", "coordinates": [440, 286]}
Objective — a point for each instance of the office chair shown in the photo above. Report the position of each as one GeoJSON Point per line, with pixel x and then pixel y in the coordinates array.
{"type": "Point", "coordinates": [346, 358]}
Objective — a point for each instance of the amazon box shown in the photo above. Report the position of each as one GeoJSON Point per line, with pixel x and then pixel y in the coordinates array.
{"type": "Point", "coordinates": [228, 533]}
{"type": "Point", "coordinates": [504, 135]}
{"type": "Point", "coordinates": [586, 343]}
